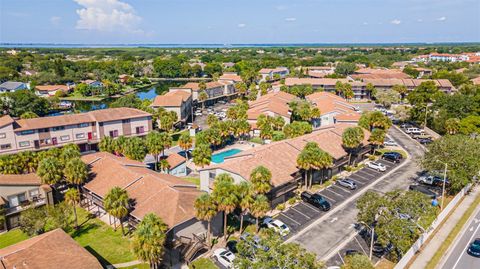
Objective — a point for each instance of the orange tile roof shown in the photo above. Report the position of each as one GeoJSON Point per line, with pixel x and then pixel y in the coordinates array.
{"type": "Point", "coordinates": [230, 76]}
{"type": "Point", "coordinates": [171, 99]}
{"type": "Point", "coordinates": [175, 160]}
{"type": "Point", "coordinates": [169, 197]}
{"type": "Point", "coordinates": [364, 73]}
{"type": "Point", "coordinates": [6, 120]}
{"type": "Point", "coordinates": [21, 179]}
{"type": "Point", "coordinates": [195, 86]}
{"type": "Point", "coordinates": [51, 88]}
{"type": "Point", "coordinates": [52, 250]}
{"type": "Point", "coordinates": [273, 102]}
{"type": "Point", "coordinates": [315, 81]}
{"type": "Point", "coordinates": [476, 81]}
{"type": "Point", "coordinates": [330, 103]}
{"type": "Point", "coordinates": [281, 157]}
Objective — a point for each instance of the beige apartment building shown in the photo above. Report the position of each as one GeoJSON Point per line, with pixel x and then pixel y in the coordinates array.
{"type": "Point", "coordinates": [178, 100]}
{"type": "Point", "coordinates": [84, 129]}
{"type": "Point", "coordinates": [215, 90]}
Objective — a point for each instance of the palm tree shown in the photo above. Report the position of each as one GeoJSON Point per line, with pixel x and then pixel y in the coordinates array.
{"type": "Point", "coordinates": [106, 144]}
{"type": "Point", "coordinates": [452, 125]}
{"type": "Point", "coordinates": [148, 242]}
{"type": "Point", "coordinates": [116, 204]}
{"type": "Point", "coordinates": [72, 198]}
{"type": "Point", "coordinates": [323, 160]}
{"type": "Point", "coordinates": [185, 143]}
{"type": "Point", "coordinates": [135, 149]}
{"type": "Point", "coordinates": [260, 177]}
{"type": "Point", "coordinates": [278, 123]}
{"type": "Point", "coordinates": [119, 145]}
{"type": "Point", "coordinates": [76, 172]}
{"type": "Point", "coordinates": [305, 162]}
{"type": "Point", "coordinates": [164, 165]}
{"type": "Point", "coordinates": [246, 199]}
{"type": "Point", "coordinates": [205, 210]}
{"type": "Point", "coordinates": [202, 155]}
{"type": "Point", "coordinates": [376, 138]}
{"type": "Point", "coordinates": [69, 152]}
{"type": "Point", "coordinates": [155, 145]}
{"type": "Point", "coordinates": [259, 207]}
{"type": "Point", "coordinates": [242, 128]}
{"type": "Point", "coordinates": [202, 97]}
{"type": "Point", "coordinates": [225, 197]}
{"type": "Point", "coordinates": [50, 170]}
{"type": "Point", "coordinates": [352, 137]}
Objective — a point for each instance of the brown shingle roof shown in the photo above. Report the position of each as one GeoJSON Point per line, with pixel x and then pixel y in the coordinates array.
{"type": "Point", "coordinates": [51, 88]}
{"type": "Point", "coordinates": [21, 179]}
{"type": "Point", "coordinates": [364, 73]}
{"type": "Point", "coordinates": [195, 86]}
{"type": "Point", "coordinates": [230, 76]}
{"type": "Point", "coordinates": [175, 160]}
{"type": "Point", "coordinates": [274, 102]}
{"type": "Point", "coordinates": [52, 250]}
{"type": "Point", "coordinates": [330, 103]}
{"type": "Point", "coordinates": [172, 98]}
{"type": "Point", "coordinates": [6, 120]}
{"type": "Point", "coordinates": [281, 157]}
{"type": "Point", "coordinates": [169, 197]}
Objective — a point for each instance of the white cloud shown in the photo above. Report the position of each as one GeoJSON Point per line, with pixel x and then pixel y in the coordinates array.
{"type": "Point", "coordinates": [55, 20]}
{"type": "Point", "coordinates": [443, 18]}
{"type": "Point", "coordinates": [290, 19]}
{"type": "Point", "coordinates": [241, 25]}
{"type": "Point", "coordinates": [419, 20]}
{"type": "Point", "coordinates": [396, 21]}
{"type": "Point", "coordinates": [107, 15]}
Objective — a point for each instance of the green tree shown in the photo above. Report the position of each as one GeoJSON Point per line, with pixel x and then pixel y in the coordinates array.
{"type": "Point", "coordinates": [185, 143]}
{"type": "Point", "coordinates": [452, 125]}
{"type": "Point", "coordinates": [202, 155]}
{"type": "Point", "coordinates": [28, 115]}
{"type": "Point", "coordinates": [245, 195]}
{"type": "Point", "coordinates": [261, 177]}
{"type": "Point", "coordinates": [76, 172]}
{"type": "Point", "coordinates": [387, 97]}
{"type": "Point", "coordinates": [401, 89]}
{"type": "Point", "coordinates": [19, 102]}
{"type": "Point", "coordinates": [157, 143]}
{"type": "Point", "coordinates": [116, 203]}
{"type": "Point", "coordinates": [106, 144]}
{"type": "Point", "coordinates": [135, 149]}
{"type": "Point", "coordinates": [345, 68]}
{"type": "Point", "coordinates": [33, 220]}
{"type": "Point", "coordinates": [374, 119]}
{"type": "Point", "coordinates": [470, 125]}
{"type": "Point", "coordinates": [148, 242]}
{"type": "Point", "coordinates": [306, 162]}
{"type": "Point", "coordinates": [164, 165]}
{"type": "Point", "coordinates": [357, 261]}
{"type": "Point", "coordinates": [259, 208]}
{"type": "Point", "coordinates": [202, 97]}
{"type": "Point", "coordinates": [377, 137]}
{"type": "Point", "coordinates": [50, 170]}
{"type": "Point", "coordinates": [297, 128]}
{"type": "Point", "coordinates": [72, 198]}
{"type": "Point", "coordinates": [206, 210]}
{"type": "Point", "coordinates": [352, 138]}
{"type": "Point", "coordinates": [225, 197]}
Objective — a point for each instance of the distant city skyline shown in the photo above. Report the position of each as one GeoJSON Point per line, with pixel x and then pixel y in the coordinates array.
{"type": "Point", "coordinates": [238, 22]}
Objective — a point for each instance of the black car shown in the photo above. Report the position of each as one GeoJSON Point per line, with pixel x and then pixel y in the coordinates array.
{"type": "Point", "coordinates": [474, 248]}
{"type": "Point", "coordinates": [423, 190]}
{"type": "Point", "coordinates": [392, 156]}
{"type": "Point", "coordinates": [316, 200]}
{"type": "Point", "coordinates": [352, 252]}
{"type": "Point", "coordinates": [425, 141]}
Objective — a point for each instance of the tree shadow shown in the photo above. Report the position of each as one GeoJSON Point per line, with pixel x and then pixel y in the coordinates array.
{"type": "Point", "coordinates": [104, 262]}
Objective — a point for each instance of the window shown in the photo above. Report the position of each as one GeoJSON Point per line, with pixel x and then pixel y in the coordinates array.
{"type": "Point", "coordinates": [100, 123]}
{"type": "Point", "coordinates": [80, 135]}
{"type": "Point", "coordinates": [211, 175]}
{"type": "Point", "coordinates": [16, 200]}
{"type": "Point", "coordinates": [113, 133]}
{"type": "Point", "coordinates": [45, 130]}
{"type": "Point", "coordinates": [27, 132]}
{"type": "Point", "coordinates": [81, 125]}
{"type": "Point", "coordinates": [24, 144]}
{"type": "Point", "coordinates": [5, 146]}
{"type": "Point", "coordinates": [58, 128]}
{"type": "Point", "coordinates": [34, 194]}
{"type": "Point", "coordinates": [3, 135]}
{"type": "Point", "coordinates": [64, 137]}
{"type": "Point", "coordinates": [126, 121]}
{"type": "Point", "coordinates": [140, 130]}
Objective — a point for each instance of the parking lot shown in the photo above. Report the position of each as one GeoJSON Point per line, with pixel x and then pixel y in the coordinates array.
{"type": "Point", "coordinates": [359, 244]}
{"type": "Point", "coordinates": [302, 214]}
{"type": "Point", "coordinates": [202, 120]}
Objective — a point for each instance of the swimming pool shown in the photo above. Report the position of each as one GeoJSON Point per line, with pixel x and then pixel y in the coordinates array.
{"type": "Point", "coordinates": [220, 157]}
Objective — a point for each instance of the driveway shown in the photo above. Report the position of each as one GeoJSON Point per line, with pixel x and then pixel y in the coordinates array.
{"type": "Point", "coordinates": [332, 235]}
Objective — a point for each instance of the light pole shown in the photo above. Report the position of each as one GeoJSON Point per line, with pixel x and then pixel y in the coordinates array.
{"type": "Point", "coordinates": [372, 234]}
{"type": "Point", "coordinates": [443, 183]}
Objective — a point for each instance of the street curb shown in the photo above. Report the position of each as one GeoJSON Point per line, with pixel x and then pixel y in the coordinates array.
{"type": "Point", "coordinates": [341, 206]}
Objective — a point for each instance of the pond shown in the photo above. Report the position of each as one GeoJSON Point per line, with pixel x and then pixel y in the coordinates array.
{"type": "Point", "coordinates": [143, 94]}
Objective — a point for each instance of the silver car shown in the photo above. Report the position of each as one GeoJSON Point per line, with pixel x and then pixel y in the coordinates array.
{"type": "Point", "coordinates": [377, 166]}
{"type": "Point", "coordinates": [347, 183]}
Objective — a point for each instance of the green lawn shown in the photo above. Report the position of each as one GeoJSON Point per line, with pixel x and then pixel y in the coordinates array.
{"type": "Point", "coordinates": [193, 180]}
{"type": "Point", "coordinates": [138, 266]}
{"type": "Point", "coordinates": [176, 136]}
{"type": "Point", "coordinates": [203, 263]}
{"type": "Point", "coordinates": [12, 237]}
{"type": "Point", "coordinates": [102, 241]}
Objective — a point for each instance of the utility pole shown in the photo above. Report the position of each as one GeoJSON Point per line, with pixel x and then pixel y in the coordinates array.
{"type": "Point", "coordinates": [443, 185]}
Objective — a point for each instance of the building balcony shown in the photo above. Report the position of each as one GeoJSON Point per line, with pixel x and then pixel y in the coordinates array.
{"type": "Point", "coordinates": [39, 201]}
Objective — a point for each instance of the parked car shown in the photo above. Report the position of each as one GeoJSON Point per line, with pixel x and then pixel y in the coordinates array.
{"type": "Point", "coordinates": [277, 225]}
{"type": "Point", "coordinates": [406, 125]}
{"type": "Point", "coordinates": [316, 200]}
{"type": "Point", "coordinates": [394, 157]}
{"type": "Point", "coordinates": [224, 256]}
{"type": "Point", "coordinates": [432, 180]}
{"type": "Point", "coordinates": [347, 183]}
{"type": "Point", "coordinates": [421, 136]}
{"type": "Point", "coordinates": [390, 143]}
{"type": "Point", "coordinates": [256, 242]}
{"type": "Point", "coordinates": [376, 166]}
{"type": "Point", "coordinates": [351, 252]}
{"type": "Point", "coordinates": [423, 190]}
{"type": "Point", "coordinates": [425, 141]}
{"type": "Point", "coordinates": [474, 248]}
{"type": "Point", "coordinates": [198, 114]}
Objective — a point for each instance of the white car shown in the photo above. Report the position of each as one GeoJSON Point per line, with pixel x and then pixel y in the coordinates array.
{"type": "Point", "coordinates": [224, 256]}
{"type": "Point", "coordinates": [277, 225]}
{"type": "Point", "coordinates": [377, 166]}
{"type": "Point", "coordinates": [390, 143]}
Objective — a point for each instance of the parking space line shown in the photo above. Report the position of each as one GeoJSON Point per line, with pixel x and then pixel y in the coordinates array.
{"type": "Point", "coordinates": [298, 223]}
{"type": "Point", "coordinates": [362, 177]}
{"type": "Point", "coordinates": [330, 189]}
{"type": "Point", "coordinates": [342, 189]}
{"type": "Point", "coordinates": [364, 252]}
{"type": "Point", "coordinates": [343, 262]}
{"type": "Point", "coordinates": [329, 198]}
{"type": "Point", "coordinates": [310, 206]}
{"type": "Point", "coordinates": [306, 216]}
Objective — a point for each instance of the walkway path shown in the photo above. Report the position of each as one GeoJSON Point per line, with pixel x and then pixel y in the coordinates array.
{"type": "Point", "coordinates": [126, 264]}
{"type": "Point", "coordinates": [427, 253]}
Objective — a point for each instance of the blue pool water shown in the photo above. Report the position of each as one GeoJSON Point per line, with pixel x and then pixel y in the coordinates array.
{"type": "Point", "coordinates": [220, 157]}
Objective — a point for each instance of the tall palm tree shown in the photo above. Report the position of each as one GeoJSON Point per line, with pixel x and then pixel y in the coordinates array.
{"type": "Point", "coordinates": [305, 162]}
{"type": "Point", "coordinates": [185, 143]}
{"type": "Point", "coordinates": [259, 207]}
{"type": "Point", "coordinates": [206, 209]}
{"type": "Point", "coordinates": [69, 153]}
{"type": "Point", "coordinates": [202, 155]}
{"type": "Point", "coordinates": [50, 170]}
{"type": "Point", "coordinates": [116, 204]}
{"type": "Point", "coordinates": [261, 177]}
{"type": "Point", "coordinates": [148, 242]}
{"type": "Point", "coordinates": [76, 172]}
{"type": "Point", "coordinates": [164, 165]}
{"type": "Point", "coordinates": [246, 198]}
{"type": "Point", "coordinates": [376, 138]}
{"type": "Point", "coordinates": [106, 144]}
{"type": "Point", "coordinates": [323, 160]}
{"type": "Point", "coordinates": [225, 197]}
{"type": "Point", "coordinates": [352, 137]}
{"type": "Point", "coordinates": [202, 97]}
{"type": "Point", "coordinates": [155, 146]}
{"type": "Point", "coordinates": [119, 145]}
{"type": "Point", "coordinates": [242, 128]}
{"type": "Point", "coordinates": [72, 198]}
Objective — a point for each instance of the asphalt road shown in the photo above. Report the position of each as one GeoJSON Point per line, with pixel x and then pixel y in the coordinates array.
{"type": "Point", "coordinates": [459, 258]}
{"type": "Point", "coordinates": [332, 236]}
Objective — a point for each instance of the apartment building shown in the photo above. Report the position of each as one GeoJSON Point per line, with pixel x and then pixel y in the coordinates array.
{"type": "Point", "coordinates": [271, 104]}
{"type": "Point", "coordinates": [378, 73]}
{"type": "Point", "coordinates": [328, 84]}
{"type": "Point", "coordinates": [215, 90]}
{"type": "Point", "coordinates": [318, 71]}
{"type": "Point", "coordinates": [19, 192]}
{"type": "Point", "coordinates": [85, 129]}
{"type": "Point", "coordinates": [51, 90]}
{"type": "Point", "coordinates": [333, 108]}
{"type": "Point", "coordinates": [385, 84]}
{"type": "Point", "coordinates": [13, 86]}
{"type": "Point", "coordinates": [271, 73]}
{"type": "Point", "coordinates": [178, 100]}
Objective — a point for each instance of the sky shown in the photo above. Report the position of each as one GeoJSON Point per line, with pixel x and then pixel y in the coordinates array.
{"type": "Point", "coordinates": [238, 22]}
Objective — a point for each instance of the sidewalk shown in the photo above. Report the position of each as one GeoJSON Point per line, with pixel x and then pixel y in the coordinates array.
{"type": "Point", "coordinates": [429, 250]}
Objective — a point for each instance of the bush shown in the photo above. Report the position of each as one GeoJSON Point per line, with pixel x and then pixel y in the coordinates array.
{"type": "Point", "coordinates": [257, 140]}
{"type": "Point", "coordinates": [371, 157]}
{"type": "Point", "coordinates": [202, 263]}
{"type": "Point", "coordinates": [348, 168]}
{"type": "Point", "coordinates": [292, 200]}
{"type": "Point", "coordinates": [280, 207]}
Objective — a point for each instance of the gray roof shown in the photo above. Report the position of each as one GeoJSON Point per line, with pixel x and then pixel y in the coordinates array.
{"type": "Point", "coordinates": [11, 85]}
